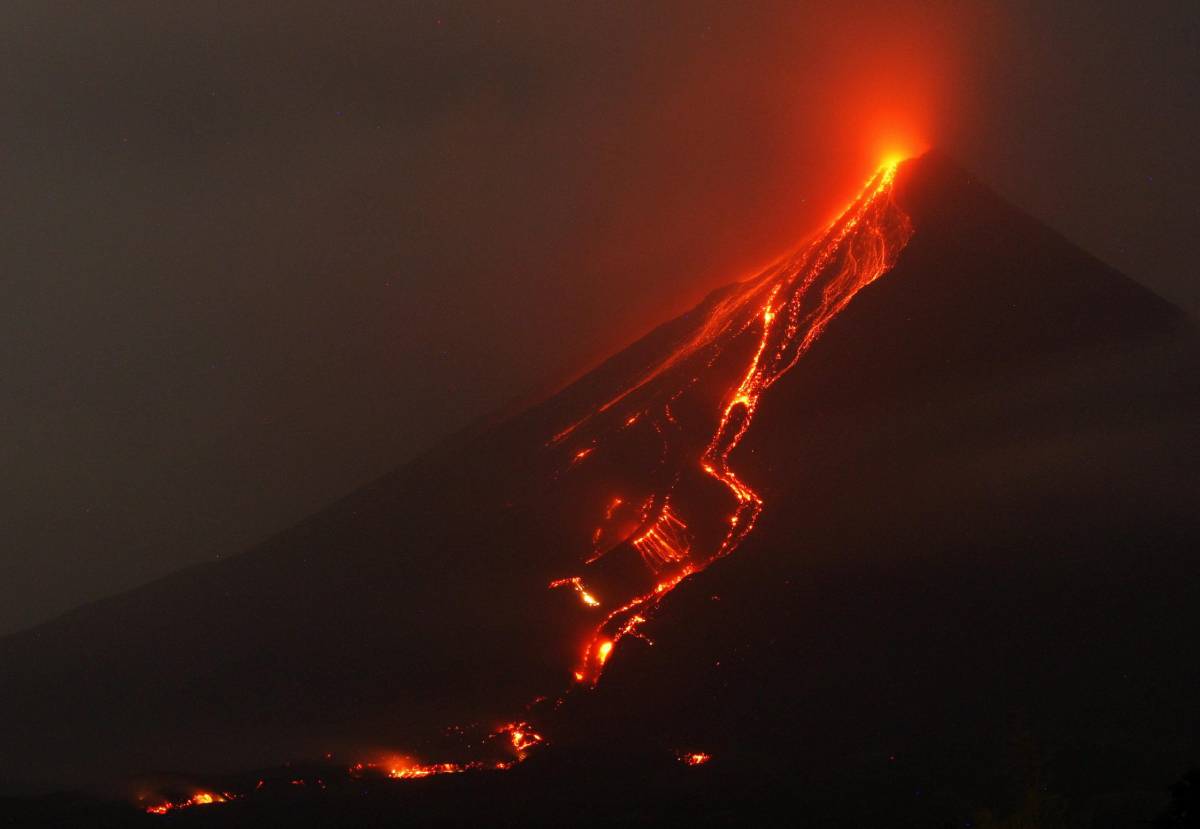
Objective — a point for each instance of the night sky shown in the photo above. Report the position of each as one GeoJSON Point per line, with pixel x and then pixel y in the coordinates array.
{"type": "Point", "coordinates": [256, 257]}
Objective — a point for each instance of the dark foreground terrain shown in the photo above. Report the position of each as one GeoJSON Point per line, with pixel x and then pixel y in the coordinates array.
{"type": "Point", "coordinates": [972, 598]}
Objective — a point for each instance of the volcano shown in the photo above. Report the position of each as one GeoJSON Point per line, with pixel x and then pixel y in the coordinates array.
{"type": "Point", "coordinates": [902, 530]}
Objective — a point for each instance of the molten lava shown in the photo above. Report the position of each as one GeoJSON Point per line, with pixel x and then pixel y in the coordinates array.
{"type": "Point", "coordinates": [773, 320]}
{"type": "Point", "coordinates": [688, 507]}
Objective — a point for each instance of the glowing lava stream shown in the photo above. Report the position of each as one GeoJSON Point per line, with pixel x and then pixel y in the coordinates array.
{"type": "Point", "coordinates": [784, 309]}
{"type": "Point", "coordinates": [792, 302]}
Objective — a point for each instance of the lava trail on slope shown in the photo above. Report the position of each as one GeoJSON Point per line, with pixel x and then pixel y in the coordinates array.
{"type": "Point", "coordinates": [506, 564]}
{"type": "Point", "coordinates": [653, 464]}
{"type": "Point", "coordinates": [683, 506]}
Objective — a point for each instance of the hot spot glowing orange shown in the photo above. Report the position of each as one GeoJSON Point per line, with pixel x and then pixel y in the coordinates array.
{"type": "Point", "coordinates": [197, 799]}
{"type": "Point", "coordinates": [577, 583]}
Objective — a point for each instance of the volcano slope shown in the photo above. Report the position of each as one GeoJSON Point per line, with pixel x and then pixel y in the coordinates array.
{"type": "Point", "coordinates": [953, 564]}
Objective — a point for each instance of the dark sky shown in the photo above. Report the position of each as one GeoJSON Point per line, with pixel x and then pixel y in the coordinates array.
{"type": "Point", "coordinates": [255, 256]}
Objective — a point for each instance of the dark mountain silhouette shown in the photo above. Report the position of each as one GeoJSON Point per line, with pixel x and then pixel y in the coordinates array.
{"type": "Point", "coordinates": [973, 583]}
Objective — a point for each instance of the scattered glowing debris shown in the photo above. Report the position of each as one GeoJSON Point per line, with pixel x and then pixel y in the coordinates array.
{"type": "Point", "coordinates": [416, 771]}
{"type": "Point", "coordinates": [197, 799]}
{"type": "Point", "coordinates": [694, 758]}
{"type": "Point", "coordinates": [519, 738]}
{"type": "Point", "coordinates": [665, 542]}
{"type": "Point", "coordinates": [404, 768]}
{"type": "Point", "coordinates": [630, 628]}
{"type": "Point", "coordinates": [577, 583]}
{"type": "Point", "coordinates": [522, 737]}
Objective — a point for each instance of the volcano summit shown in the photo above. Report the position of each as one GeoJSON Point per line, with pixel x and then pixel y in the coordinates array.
{"type": "Point", "coordinates": [955, 457]}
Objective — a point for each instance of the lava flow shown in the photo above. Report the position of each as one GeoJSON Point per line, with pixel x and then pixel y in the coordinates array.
{"type": "Point", "coordinates": [684, 506]}
{"type": "Point", "coordinates": [754, 334]}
